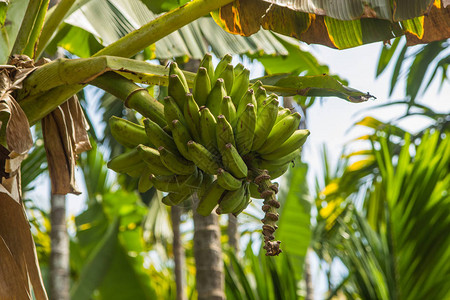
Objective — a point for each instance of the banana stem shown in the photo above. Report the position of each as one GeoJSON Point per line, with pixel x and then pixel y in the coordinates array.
{"type": "Point", "coordinates": [268, 192]}
{"type": "Point", "coordinates": [133, 95]}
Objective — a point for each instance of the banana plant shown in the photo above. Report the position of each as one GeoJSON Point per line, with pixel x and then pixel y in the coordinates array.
{"type": "Point", "coordinates": [47, 85]}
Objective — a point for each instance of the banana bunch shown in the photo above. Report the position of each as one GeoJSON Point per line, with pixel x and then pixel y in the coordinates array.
{"type": "Point", "coordinates": [219, 137]}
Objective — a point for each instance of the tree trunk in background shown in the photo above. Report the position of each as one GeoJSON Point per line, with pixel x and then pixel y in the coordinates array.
{"type": "Point", "coordinates": [308, 277]}
{"type": "Point", "coordinates": [208, 256]}
{"type": "Point", "coordinates": [59, 255]}
{"type": "Point", "coordinates": [233, 233]}
{"type": "Point", "coordinates": [178, 252]}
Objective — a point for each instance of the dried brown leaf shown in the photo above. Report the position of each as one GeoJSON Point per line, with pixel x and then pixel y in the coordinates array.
{"type": "Point", "coordinates": [17, 251]}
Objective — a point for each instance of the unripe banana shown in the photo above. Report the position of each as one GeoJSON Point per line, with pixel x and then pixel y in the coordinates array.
{"type": "Point", "coordinates": [255, 86]}
{"type": "Point", "coordinates": [208, 65]}
{"type": "Point", "coordinates": [192, 116]}
{"type": "Point", "coordinates": [210, 199]}
{"type": "Point", "coordinates": [264, 123]}
{"type": "Point", "coordinates": [172, 111]}
{"type": "Point", "coordinates": [181, 136]}
{"type": "Point", "coordinates": [206, 182]}
{"type": "Point", "coordinates": [246, 201]}
{"type": "Point", "coordinates": [231, 200]}
{"type": "Point", "coordinates": [173, 199]}
{"type": "Point", "coordinates": [158, 136]}
{"type": "Point", "coordinates": [240, 86]}
{"type": "Point", "coordinates": [222, 65]}
{"type": "Point", "coordinates": [275, 171]}
{"type": "Point", "coordinates": [233, 162]}
{"type": "Point", "coordinates": [249, 97]}
{"type": "Point", "coordinates": [124, 161]}
{"type": "Point", "coordinates": [284, 159]}
{"type": "Point", "coordinates": [177, 90]}
{"type": "Point", "coordinates": [253, 188]}
{"type": "Point", "coordinates": [214, 101]}
{"type": "Point", "coordinates": [281, 131]}
{"type": "Point", "coordinates": [224, 133]}
{"type": "Point", "coordinates": [228, 77]}
{"type": "Point", "coordinates": [153, 161]}
{"type": "Point", "coordinates": [177, 183]}
{"type": "Point", "coordinates": [245, 130]}
{"type": "Point", "coordinates": [173, 69]}
{"type": "Point", "coordinates": [176, 163]}
{"type": "Point", "coordinates": [228, 181]}
{"type": "Point", "coordinates": [260, 96]}
{"type": "Point", "coordinates": [144, 183]}
{"type": "Point", "coordinates": [282, 113]}
{"type": "Point", "coordinates": [135, 171]}
{"type": "Point", "coordinates": [204, 159]}
{"type": "Point", "coordinates": [127, 133]}
{"type": "Point", "coordinates": [208, 126]}
{"type": "Point", "coordinates": [202, 86]}
{"type": "Point", "coordinates": [238, 69]}
{"type": "Point", "coordinates": [294, 142]}
{"type": "Point", "coordinates": [228, 109]}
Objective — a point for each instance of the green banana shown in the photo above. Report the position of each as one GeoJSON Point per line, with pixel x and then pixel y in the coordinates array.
{"type": "Point", "coordinates": [231, 200]}
{"type": "Point", "coordinates": [177, 183]}
{"type": "Point", "coordinates": [294, 142]}
{"type": "Point", "coordinates": [221, 66]}
{"type": "Point", "coordinates": [204, 159]}
{"type": "Point", "coordinates": [173, 69]}
{"type": "Point", "coordinates": [153, 160]}
{"type": "Point", "coordinates": [228, 181]}
{"type": "Point", "coordinates": [281, 131]}
{"type": "Point", "coordinates": [175, 163]}
{"type": "Point", "coordinates": [245, 130]}
{"type": "Point", "coordinates": [275, 171]}
{"type": "Point", "coordinates": [282, 160]}
{"type": "Point", "coordinates": [264, 123]}
{"type": "Point", "coordinates": [202, 86]}
{"type": "Point", "coordinates": [181, 136]}
{"type": "Point", "coordinates": [260, 96]}
{"type": "Point", "coordinates": [127, 133]}
{"type": "Point", "coordinates": [282, 113]}
{"type": "Point", "coordinates": [214, 101]}
{"type": "Point", "coordinates": [172, 111]}
{"type": "Point", "coordinates": [144, 183]}
{"type": "Point", "coordinates": [173, 199]}
{"type": "Point", "coordinates": [233, 161]}
{"type": "Point", "coordinates": [192, 116]}
{"type": "Point", "coordinates": [158, 136]}
{"type": "Point", "coordinates": [238, 69]}
{"type": "Point", "coordinates": [206, 182]}
{"type": "Point", "coordinates": [253, 188]}
{"type": "Point", "coordinates": [210, 199]}
{"type": "Point", "coordinates": [240, 86]}
{"type": "Point", "coordinates": [228, 109]}
{"type": "Point", "coordinates": [247, 200]}
{"type": "Point", "coordinates": [249, 97]}
{"type": "Point", "coordinates": [228, 76]}
{"type": "Point", "coordinates": [208, 126]}
{"type": "Point", "coordinates": [124, 161]}
{"type": "Point", "coordinates": [208, 65]}
{"type": "Point", "coordinates": [256, 85]}
{"type": "Point", "coordinates": [135, 171]}
{"type": "Point", "coordinates": [224, 132]}
{"type": "Point", "coordinates": [177, 90]}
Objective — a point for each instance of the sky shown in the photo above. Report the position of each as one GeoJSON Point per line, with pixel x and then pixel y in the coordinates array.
{"type": "Point", "coordinates": [330, 120]}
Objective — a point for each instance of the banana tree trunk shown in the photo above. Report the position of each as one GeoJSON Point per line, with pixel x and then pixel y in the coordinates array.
{"type": "Point", "coordinates": [178, 253]}
{"type": "Point", "coordinates": [208, 256]}
{"type": "Point", "coordinates": [233, 233]}
{"type": "Point", "coordinates": [59, 255]}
